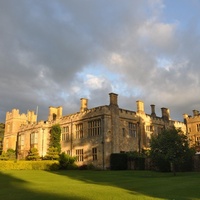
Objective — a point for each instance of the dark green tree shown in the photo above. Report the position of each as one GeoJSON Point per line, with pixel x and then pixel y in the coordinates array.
{"type": "Point", "coordinates": [55, 135]}
{"type": "Point", "coordinates": [66, 161]}
{"type": "Point", "coordinates": [170, 150]}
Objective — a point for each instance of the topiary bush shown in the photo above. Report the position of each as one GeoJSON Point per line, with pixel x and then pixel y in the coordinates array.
{"type": "Point", "coordinates": [33, 154]}
{"type": "Point", "coordinates": [52, 154]}
{"type": "Point", "coordinates": [66, 161]}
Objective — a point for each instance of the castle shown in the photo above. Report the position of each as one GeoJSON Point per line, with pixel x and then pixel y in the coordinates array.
{"type": "Point", "coordinates": [92, 134]}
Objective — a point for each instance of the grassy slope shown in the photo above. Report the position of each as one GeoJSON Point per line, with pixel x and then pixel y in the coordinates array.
{"type": "Point", "coordinates": [94, 185]}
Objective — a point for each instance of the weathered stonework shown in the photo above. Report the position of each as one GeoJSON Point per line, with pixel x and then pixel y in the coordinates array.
{"type": "Point", "coordinates": [193, 129]}
{"type": "Point", "coordinates": [91, 134]}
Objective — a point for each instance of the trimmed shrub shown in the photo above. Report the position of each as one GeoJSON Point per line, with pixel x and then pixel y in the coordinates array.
{"type": "Point", "coordinates": [66, 161]}
{"type": "Point", "coordinates": [136, 160]}
{"type": "Point", "coordinates": [29, 165]}
{"type": "Point", "coordinates": [52, 154]}
{"type": "Point", "coordinates": [118, 161]}
{"type": "Point", "coordinates": [10, 154]}
{"type": "Point", "coordinates": [33, 154]}
{"type": "Point", "coordinates": [4, 156]}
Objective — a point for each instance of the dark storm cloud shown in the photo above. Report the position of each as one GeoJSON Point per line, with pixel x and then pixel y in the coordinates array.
{"type": "Point", "coordinates": [45, 47]}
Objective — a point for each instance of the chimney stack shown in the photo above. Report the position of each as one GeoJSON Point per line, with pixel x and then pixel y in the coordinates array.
{"type": "Point", "coordinates": [113, 99]}
{"type": "Point", "coordinates": [195, 113]}
{"type": "Point", "coordinates": [153, 113]}
{"type": "Point", "coordinates": [84, 104]}
{"type": "Point", "coordinates": [165, 113]}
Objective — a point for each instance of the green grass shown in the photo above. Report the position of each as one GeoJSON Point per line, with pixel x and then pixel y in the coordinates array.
{"type": "Point", "coordinates": [98, 185]}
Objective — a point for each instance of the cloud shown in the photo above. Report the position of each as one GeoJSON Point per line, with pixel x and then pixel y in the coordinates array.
{"type": "Point", "coordinates": [54, 52]}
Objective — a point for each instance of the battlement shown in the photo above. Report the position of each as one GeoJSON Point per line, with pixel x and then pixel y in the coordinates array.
{"type": "Point", "coordinates": [34, 125]}
{"type": "Point", "coordinates": [30, 117]}
{"type": "Point", "coordinates": [86, 113]}
{"type": "Point", "coordinates": [126, 112]}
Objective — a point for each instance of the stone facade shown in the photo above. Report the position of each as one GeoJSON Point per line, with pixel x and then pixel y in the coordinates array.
{"type": "Point", "coordinates": [193, 129]}
{"type": "Point", "coordinates": [90, 134]}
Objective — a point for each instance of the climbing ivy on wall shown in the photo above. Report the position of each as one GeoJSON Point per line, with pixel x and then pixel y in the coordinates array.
{"type": "Point", "coordinates": [55, 135]}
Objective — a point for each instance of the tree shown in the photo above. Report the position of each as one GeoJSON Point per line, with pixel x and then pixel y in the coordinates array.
{"type": "Point", "coordinates": [66, 161]}
{"type": "Point", "coordinates": [33, 154]}
{"type": "Point", "coordinates": [52, 154]}
{"type": "Point", "coordinates": [170, 150]}
{"type": "Point", "coordinates": [55, 137]}
{"type": "Point", "coordinates": [10, 154]}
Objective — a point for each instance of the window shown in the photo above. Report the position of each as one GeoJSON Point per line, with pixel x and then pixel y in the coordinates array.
{"type": "Point", "coordinates": [79, 131]}
{"type": "Point", "coordinates": [149, 128]}
{"type": "Point", "coordinates": [159, 130]}
{"type": "Point", "coordinates": [65, 133]}
{"type": "Point", "coordinates": [34, 138]}
{"type": "Point", "coordinates": [79, 155]}
{"type": "Point", "coordinates": [54, 116]}
{"type": "Point", "coordinates": [8, 128]}
{"type": "Point", "coordinates": [132, 129]}
{"type": "Point", "coordinates": [94, 153]}
{"type": "Point", "coordinates": [21, 140]}
{"type": "Point", "coordinates": [198, 127]}
{"type": "Point", "coordinates": [7, 143]}
{"type": "Point", "coordinates": [94, 127]}
{"type": "Point", "coordinates": [68, 152]}
{"type": "Point", "coordinates": [123, 132]}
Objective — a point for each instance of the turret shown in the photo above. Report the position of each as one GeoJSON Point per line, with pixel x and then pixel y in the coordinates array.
{"type": "Point", "coordinates": [55, 113]}
{"type": "Point", "coordinates": [84, 104]}
{"type": "Point", "coordinates": [140, 106]}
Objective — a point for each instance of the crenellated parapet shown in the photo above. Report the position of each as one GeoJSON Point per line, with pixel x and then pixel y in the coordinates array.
{"type": "Point", "coordinates": [30, 117]}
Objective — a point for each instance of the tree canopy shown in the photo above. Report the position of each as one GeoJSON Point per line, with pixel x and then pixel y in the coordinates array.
{"type": "Point", "coordinates": [170, 150]}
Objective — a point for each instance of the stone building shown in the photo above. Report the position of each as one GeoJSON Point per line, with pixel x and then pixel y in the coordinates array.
{"type": "Point", "coordinates": [193, 129]}
{"type": "Point", "coordinates": [92, 134]}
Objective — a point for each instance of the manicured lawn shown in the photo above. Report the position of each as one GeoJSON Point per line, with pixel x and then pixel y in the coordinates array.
{"type": "Point", "coordinates": [98, 185]}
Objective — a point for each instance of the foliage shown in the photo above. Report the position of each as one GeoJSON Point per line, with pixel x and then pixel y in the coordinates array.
{"type": "Point", "coordinates": [2, 128]}
{"type": "Point", "coordinates": [4, 156]}
{"type": "Point", "coordinates": [66, 161]}
{"type": "Point", "coordinates": [55, 137]}
{"type": "Point", "coordinates": [118, 161]}
{"type": "Point", "coordinates": [52, 154]}
{"type": "Point", "coordinates": [29, 165]}
{"type": "Point", "coordinates": [33, 154]}
{"type": "Point", "coordinates": [138, 159]}
{"type": "Point", "coordinates": [170, 150]}
{"type": "Point", "coordinates": [9, 155]}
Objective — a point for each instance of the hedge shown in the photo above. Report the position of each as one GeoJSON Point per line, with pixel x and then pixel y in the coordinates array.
{"type": "Point", "coordinates": [118, 161]}
{"type": "Point", "coordinates": [30, 165]}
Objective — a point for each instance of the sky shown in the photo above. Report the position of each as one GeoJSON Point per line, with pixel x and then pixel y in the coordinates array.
{"type": "Point", "coordinates": [54, 52]}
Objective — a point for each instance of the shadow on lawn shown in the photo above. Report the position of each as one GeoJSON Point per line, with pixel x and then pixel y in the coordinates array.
{"type": "Point", "coordinates": [185, 186]}
{"type": "Point", "coordinates": [16, 189]}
